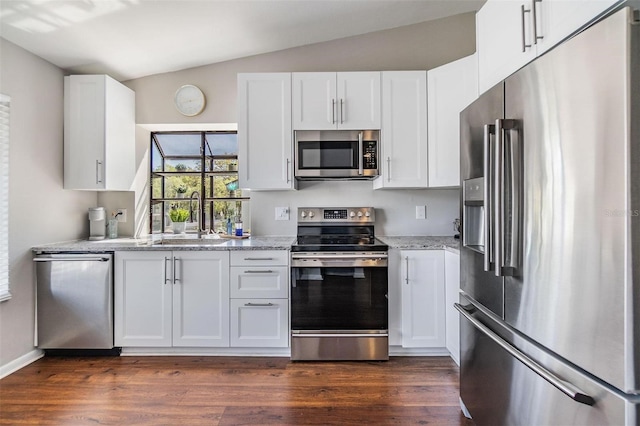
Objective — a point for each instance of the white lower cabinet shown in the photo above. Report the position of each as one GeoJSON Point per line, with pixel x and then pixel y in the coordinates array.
{"type": "Point", "coordinates": [260, 298]}
{"type": "Point", "coordinates": [452, 295]}
{"type": "Point", "coordinates": [421, 281]}
{"type": "Point", "coordinates": [259, 323]}
{"type": "Point", "coordinates": [165, 298]}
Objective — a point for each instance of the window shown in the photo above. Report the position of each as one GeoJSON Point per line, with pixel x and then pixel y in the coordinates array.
{"type": "Point", "coordinates": [5, 102]}
{"type": "Point", "coordinates": [197, 172]}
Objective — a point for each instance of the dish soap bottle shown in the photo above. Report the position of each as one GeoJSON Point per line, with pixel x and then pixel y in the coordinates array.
{"type": "Point", "coordinates": [229, 228]}
{"type": "Point", "coordinates": [238, 227]}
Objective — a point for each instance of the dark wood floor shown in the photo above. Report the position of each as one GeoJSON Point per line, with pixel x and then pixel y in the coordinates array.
{"type": "Point", "coordinates": [231, 391]}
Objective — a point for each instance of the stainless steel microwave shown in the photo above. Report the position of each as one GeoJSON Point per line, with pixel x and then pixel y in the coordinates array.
{"type": "Point", "coordinates": [336, 154]}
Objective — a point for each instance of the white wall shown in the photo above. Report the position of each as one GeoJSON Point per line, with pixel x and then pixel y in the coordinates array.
{"type": "Point", "coordinates": [40, 211]}
{"type": "Point", "coordinates": [415, 47]}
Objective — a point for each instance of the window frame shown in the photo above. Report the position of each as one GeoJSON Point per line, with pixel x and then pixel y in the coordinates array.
{"type": "Point", "coordinates": [206, 171]}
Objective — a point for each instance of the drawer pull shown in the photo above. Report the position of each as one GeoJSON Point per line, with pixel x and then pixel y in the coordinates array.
{"type": "Point", "coordinates": [259, 258]}
{"type": "Point", "coordinates": [268, 271]}
{"type": "Point", "coordinates": [259, 304]}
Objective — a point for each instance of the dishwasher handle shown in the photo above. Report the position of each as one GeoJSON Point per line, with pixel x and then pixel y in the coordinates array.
{"type": "Point", "coordinates": [72, 259]}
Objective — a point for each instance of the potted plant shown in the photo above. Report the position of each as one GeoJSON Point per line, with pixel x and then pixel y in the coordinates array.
{"type": "Point", "coordinates": [181, 190]}
{"type": "Point", "coordinates": [178, 220]}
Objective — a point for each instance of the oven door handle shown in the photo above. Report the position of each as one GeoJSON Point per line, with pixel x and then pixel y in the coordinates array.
{"type": "Point", "coordinates": [345, 256]}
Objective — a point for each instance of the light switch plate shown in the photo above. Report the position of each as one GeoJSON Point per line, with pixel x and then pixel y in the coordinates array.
{"type": "Point", "coordinates": [421, 212]}
{"type": "Point", "coordinates": [282, 213]}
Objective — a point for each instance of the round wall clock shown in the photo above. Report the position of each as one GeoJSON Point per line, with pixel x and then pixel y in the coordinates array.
{"type": "Point", "coordinates": [189, 100]}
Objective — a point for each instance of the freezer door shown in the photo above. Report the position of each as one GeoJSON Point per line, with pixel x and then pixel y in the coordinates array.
{"type": "Point", "coordinates": [477, 277]}
{"type": "Point", "coordinates": [573, 291]}
{"type": "Point", "coordinates": [499, 387]}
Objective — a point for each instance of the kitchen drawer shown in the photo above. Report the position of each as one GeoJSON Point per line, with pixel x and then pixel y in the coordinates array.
{"type": "Point", "coordinates": [259, 257]}
{"type": "Point", "coordinates": [259, 281]}
{"type": "Point", "coordinates": [260, 323]}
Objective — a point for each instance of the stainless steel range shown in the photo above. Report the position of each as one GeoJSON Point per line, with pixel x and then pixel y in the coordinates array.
{"type": "Point", "coordinates": [339, 282]}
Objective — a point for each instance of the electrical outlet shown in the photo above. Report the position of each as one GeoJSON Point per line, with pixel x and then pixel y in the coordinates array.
{"type": "Point", "coordinates": [282, 213]}
{"type": "Point", "coordinates": [122, 217]}
{"type": "Point", "coordinates": [421, 212]}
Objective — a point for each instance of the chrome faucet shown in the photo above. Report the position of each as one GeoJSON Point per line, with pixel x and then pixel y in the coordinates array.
{"type": "Point", "coordinates": [200, 211]}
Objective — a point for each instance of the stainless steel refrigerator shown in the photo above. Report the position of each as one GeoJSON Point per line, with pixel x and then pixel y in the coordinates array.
{"type": "Point", "coordinates": [550, 260]}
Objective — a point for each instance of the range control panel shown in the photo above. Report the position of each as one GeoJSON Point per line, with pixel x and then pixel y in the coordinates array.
{"type": "Point", "coordinates": [336, 214]}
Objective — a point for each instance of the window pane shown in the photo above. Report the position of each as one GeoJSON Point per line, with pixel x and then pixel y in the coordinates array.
{"type": "Point", "coordinates": [182, 165]}
{"type": "Point", "coordinates": [221, 144]}
{"type": "Point", "coordinates": [179, 144]}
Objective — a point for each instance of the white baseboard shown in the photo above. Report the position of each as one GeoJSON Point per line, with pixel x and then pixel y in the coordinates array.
{"type": "Point", "coordinates": [400, 351]}
{"type": "Point", "coordinates": [21, 362]}
{"type": "Point", "coordinates": [185, 351]}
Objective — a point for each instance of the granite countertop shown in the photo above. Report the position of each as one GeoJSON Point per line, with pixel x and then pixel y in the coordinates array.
{"type": "Point", "coordinates": [155, 242]}
{"type": "Point", "coordinates": [422, 243]}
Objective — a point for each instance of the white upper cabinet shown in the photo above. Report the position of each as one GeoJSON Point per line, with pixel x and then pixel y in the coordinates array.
{"type": "Point", "coordinates": [403, 154]}
{"type": "Point", "coordinates": [99, 133]}
{"type": "Point", "coordinates": [344, 100]}
{"type": "Point", "coordinates": [511, 33]}
{"type": "Point", "coordinates": [264, 131]}
{"type": "Point", "coordinates": [558, 19]}
{"type": "Point", "coordinates": [503, 40]}
{"type": "Point", "coordinates": [450, 87]}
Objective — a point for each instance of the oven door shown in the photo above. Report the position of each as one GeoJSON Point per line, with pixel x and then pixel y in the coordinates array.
{"type": "Point", "coordinates": [339, 307]}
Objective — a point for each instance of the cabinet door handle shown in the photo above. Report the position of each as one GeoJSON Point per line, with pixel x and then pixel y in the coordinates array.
{"type": "Point", "coordinates": [333, 111]}
{"type": "Point", "coordinates": [166, 276]}
{"type": "Point", "coordinates": [341, 111]}
{"type": "Point", "coordinates": [288, 166]}
{"type": "Point", "coordinates": [175, 270]}
{"type": "Point", "coordinates": [268, 271]}
{"type": "Point", "coordinates": [388, 169]}
{"type": "Point", "coordinates": [524, 42]}
{"type": "Point", "coordinates": [406, 279]}
{"type": "Point", "coordinates": [259, 304]}
{"type": "Point", "coordinates": [258, 258]}
{"type": "Point", "coordinates": [98, 174]}
{"type": "Point", "coordinates": [536, 37]}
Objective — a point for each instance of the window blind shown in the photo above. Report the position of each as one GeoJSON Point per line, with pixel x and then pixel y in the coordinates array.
{"type": "Point", "coordinates": [5, 103]}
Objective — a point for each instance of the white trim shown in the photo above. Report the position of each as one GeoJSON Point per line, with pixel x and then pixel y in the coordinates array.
{"type": "Point", "coordinates": [23, 361]}
{"type": "Point", "coordinates": [400, 351]}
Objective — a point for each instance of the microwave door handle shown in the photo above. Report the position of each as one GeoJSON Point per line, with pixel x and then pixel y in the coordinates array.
{"type": "Point", "coordinates": [360, 154]}
{"type": "Point", "coordinates": [489, 130]}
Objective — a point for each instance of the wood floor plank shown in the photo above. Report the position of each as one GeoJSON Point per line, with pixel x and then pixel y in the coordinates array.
{"type": "Point", "coordinates": [230, 391]}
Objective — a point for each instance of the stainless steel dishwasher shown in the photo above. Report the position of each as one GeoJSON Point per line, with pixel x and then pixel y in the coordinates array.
{"type": "Point", "coordinates": [74, 300]}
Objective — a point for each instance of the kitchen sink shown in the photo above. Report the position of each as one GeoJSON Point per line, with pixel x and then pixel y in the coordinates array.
{"type": "Point", "coordinates": [191, 242]}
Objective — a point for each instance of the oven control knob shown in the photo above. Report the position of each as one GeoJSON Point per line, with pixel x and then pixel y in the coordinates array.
{"type": "Point", "coordinates": [367, 214]}
{"type": "Point", "coordinates": [303, 215]}
{"type": "Point", "coordinates": [352, 214]}
{"type": "Point", "coordinates": [311, 214]}
{"type": "Point", "coordinates": [359, 214]}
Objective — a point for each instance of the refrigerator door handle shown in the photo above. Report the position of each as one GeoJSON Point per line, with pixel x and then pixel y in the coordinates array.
{"type": "Point", "coordinates": [567, 388]}
{"type": "Point", "coordinates": [489, 129]}
{"type": "Point", "coordinates": [507, 218]}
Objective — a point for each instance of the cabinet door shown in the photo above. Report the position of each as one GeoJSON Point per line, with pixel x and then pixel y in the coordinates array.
{"type": "Point", "coordinates": [404, 130]}
{"type": "Point", "coordinates": [260, 323]}
{"type": "Point", "coordinates": [120, 147]}
{"type": "Point", "coordinates": [142, 298]}
{"type": "Point", "coordinates": [452, 285]}
{"type": "Point", "coordinates": [84, 132]}
{"type": "Point", "coordinates": [558, 19]}
{"type": "Point", "coordinates": [500, 28]}
{"type": "Point", "coordinates": [264, 131]}
{"type": "Point", "coordinates": [450, 89]}
{"type": "Point", "coordinates": [201, 298]}
{"type": "Point", "coordinates": [358, 100]}
{"type": "Point", "coordinates": [314, 101]}
{"type": "Point", "coordinates": [423, 316]}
